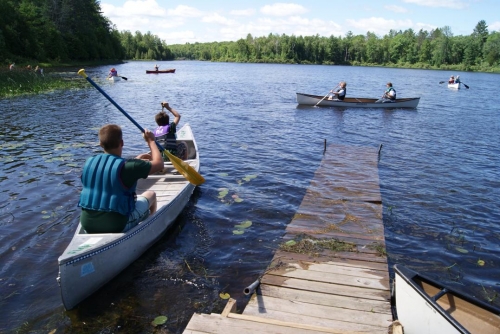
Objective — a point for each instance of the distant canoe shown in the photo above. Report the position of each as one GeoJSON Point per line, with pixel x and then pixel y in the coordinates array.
{"type": "Point", "coordinates": [170, 70]}
{"type": "Point", "coordinates": [312, 100]}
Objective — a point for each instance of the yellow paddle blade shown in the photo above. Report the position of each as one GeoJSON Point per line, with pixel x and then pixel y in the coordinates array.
{"type": "Point", "coordinates": [187, 171]}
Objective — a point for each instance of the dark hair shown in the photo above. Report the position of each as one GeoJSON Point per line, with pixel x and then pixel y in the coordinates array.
{"type": "Point", "coordinates": [110, 136]}
{"type": "Point", "coordinates": [162, 118]}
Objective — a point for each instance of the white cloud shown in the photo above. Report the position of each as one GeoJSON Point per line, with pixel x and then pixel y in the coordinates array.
{"type": "Point", "coordinates": [244, 12]}
{"type": "Point", "coordinates": [283, 9]}
{"type": "Point", "coordinates": [184, 11]}
{"type": "Point", "coordinates": [218, 19]}
{"type": "Point", "coordinates": [396, 9]}
{"type": "Point", "coordinates": [495, 26]}
{"type": "Point", "coordinates": [379, 25]}
{"type": "Point", "coordinates": [457, 4]}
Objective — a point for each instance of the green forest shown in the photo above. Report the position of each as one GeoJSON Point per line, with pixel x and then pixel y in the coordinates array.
{"type": "Point", "coordinates": [70, 31]}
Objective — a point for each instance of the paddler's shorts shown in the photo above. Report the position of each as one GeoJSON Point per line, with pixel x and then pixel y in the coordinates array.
{"type": "Point", "coordinates": [140, 213]}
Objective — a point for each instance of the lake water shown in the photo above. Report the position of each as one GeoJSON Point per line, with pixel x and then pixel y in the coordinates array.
{"type": "Point", "coordinates": [439, 177]}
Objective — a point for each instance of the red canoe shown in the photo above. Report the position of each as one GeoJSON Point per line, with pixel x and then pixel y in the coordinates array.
{"type": "Point", "coordinates": [170, 70]}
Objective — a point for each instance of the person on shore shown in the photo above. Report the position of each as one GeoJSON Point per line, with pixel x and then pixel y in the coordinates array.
{"type": "Point", "coordinates": [339, 92]}
{"type": "Point", "coordinates": [165, 133]}
{"type": "Point", "coordinates": [112, 73]}
{"type": "Point", "coordinates": [108, 199]}
{"type": "Point", "coordinates": [11, 67]}
{"type": "Point", "coordinates": [389, 94]}
{"type": "Point", "coordinates": [28, 67]}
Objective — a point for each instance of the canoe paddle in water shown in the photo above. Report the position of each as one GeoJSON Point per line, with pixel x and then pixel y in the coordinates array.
{"type": "Point", "coordinates": [182, 167]}
{"type": "Point", "coordinates": [325, 96]}
{"type": "Point", "coordinates": [465, 85]}
{"type": "Point", "coordinates": [124, 78]}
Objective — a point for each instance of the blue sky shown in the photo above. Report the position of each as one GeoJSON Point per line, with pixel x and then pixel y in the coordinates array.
{"type": "Point", "coordinates": [179, 22]}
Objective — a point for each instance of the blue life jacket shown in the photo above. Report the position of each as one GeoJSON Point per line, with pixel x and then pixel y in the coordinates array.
{"type": "Point", "coordinates": [103, 189]}
{"type": "Point", "coordinates": [342, 97]}
{"type": "Point", "coordinates": [391, 97]}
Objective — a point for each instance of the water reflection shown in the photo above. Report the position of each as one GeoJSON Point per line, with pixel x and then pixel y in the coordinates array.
{"type": "Point", "coordinates": [438, 171]}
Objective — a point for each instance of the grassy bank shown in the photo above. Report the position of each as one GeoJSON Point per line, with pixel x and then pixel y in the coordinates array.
{"type": "Point", "coordinates": [55, 76]}
{"type": "Point", "coordinates": [23, 82]}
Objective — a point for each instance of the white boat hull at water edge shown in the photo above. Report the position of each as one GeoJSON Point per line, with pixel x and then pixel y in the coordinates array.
{"type": "Point", "coordinates": [91, 260]}
{"type": "Point", "coordinates": [114, 78]}
{"type": "Point", "coordinates": [313, 100]}
{"type": "Point", "coordinates": [424, 306]}
{"type": "Point", "coordinates": [454, 85]}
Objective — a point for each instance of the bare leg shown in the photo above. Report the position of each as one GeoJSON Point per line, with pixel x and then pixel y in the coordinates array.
{"type": "Point", "coordinates": [151, 196]}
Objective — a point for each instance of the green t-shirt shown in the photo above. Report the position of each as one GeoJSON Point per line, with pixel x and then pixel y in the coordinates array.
{"type": "Point", "coordinates": [113, 222]}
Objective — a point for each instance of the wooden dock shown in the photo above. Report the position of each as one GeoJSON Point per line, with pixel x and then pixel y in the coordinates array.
{"type": "Point", "coordinates": [331, 275]}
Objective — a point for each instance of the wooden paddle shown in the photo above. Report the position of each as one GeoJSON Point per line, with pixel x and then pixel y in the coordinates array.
{"type": "Point", "coordinates": [325, 96]}
{"type": "Point", "coordinates": [182, 167]}
{"type": "Point", "coordinates": [441, 82]}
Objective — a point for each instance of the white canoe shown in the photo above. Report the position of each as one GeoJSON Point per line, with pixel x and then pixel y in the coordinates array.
{"type": "Point", "coordinates": [91, 260]}
{"type": "Point", "coordinates": [116, 78]}
{"type": "Point", "coordinates": [312, 100]}
{"type": "Point", "coordinates": [425, 306]}
{"type": "Point", "coordinates": [454, 85]}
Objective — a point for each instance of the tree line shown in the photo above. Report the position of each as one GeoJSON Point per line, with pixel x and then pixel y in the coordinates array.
{"type": "Point", "coordinates": [76, 30]}
{"type": "Point", "coordinates": [56, 30]}
{"type": "Point", "coordinates": [479, 51]}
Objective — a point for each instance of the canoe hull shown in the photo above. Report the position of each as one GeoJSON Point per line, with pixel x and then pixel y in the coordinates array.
{"type": "Point", "coordinates": [454, 86]}
{"type": "Point", "coordinates": [450, 313]}
{"type": "Point", "coordinates": [91, 260]}
{"type": "Point", "coordinates": [114, 79]}
{"type": "Point", "coordinates": [312, 100]}
{"type": "Point", "coordinates": [171, 70]}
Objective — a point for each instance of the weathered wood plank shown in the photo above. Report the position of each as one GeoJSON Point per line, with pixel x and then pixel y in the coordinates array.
{"type": "Point", "coordinates": [267, 304]}
{"type": "Point", "coordinates": [338, 325]}
{"type": "Point", "coordinates": [335, 289]}
{"type": "Point", "coordinates": [339, 269]}
{"type": "Point", "coordinates": [316, 298]}
{"type": "Point", "coordinates": [295, 258]}
{"type": "Point", "coordinates": [215, 323]}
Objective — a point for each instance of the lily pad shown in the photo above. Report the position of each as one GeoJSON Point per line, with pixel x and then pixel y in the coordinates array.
{"type": "Point", "coordinates": [461, 250]}
{"type": "Point", "coordinates": [237, 232]}
{"type": "Point", "coordinates": [238, 200]}
{"type": "Point", "coordinates": [160, 320]}
{"type": "Point", "coordinates": [480, 263]}
{"type": "Point", "coordinates": [224, 295]}
{"type": "Point", "coordinates": [245, 224]}
{"type": "Point", "coordinates": [223, 192]}
{"type": "Point", "coordinates": [249, 177]}
{"type": "Point", "coordinates": [290, 242]}
{"type": "Point", "coordinates": [223, 174]}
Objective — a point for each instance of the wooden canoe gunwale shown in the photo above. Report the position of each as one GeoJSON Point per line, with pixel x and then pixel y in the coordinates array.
{"type": "Point", "coordinates": [419, 282]}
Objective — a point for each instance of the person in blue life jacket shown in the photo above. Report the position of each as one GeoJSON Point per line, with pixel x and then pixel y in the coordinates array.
{"type": "Point", "coordinates": [165, 133]}
{"type": "Point", "coordinates": [112, 73]}
{"type": "Point", "coordinates": [108, 199]}
{"type": "Point", "coordinates": [457, 79]}
{"type": "Point", "coordinates": [340, 92]}
{"type": "Point", "coordinates": [389, 94]}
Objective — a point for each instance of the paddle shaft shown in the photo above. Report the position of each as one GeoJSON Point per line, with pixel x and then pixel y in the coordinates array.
{"type": "Point", "coordinates": [124, 78]}
{"type": "Point", "coordinates": [118, 107]}
{"type": "Point", "coordinates": [325, 96]}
